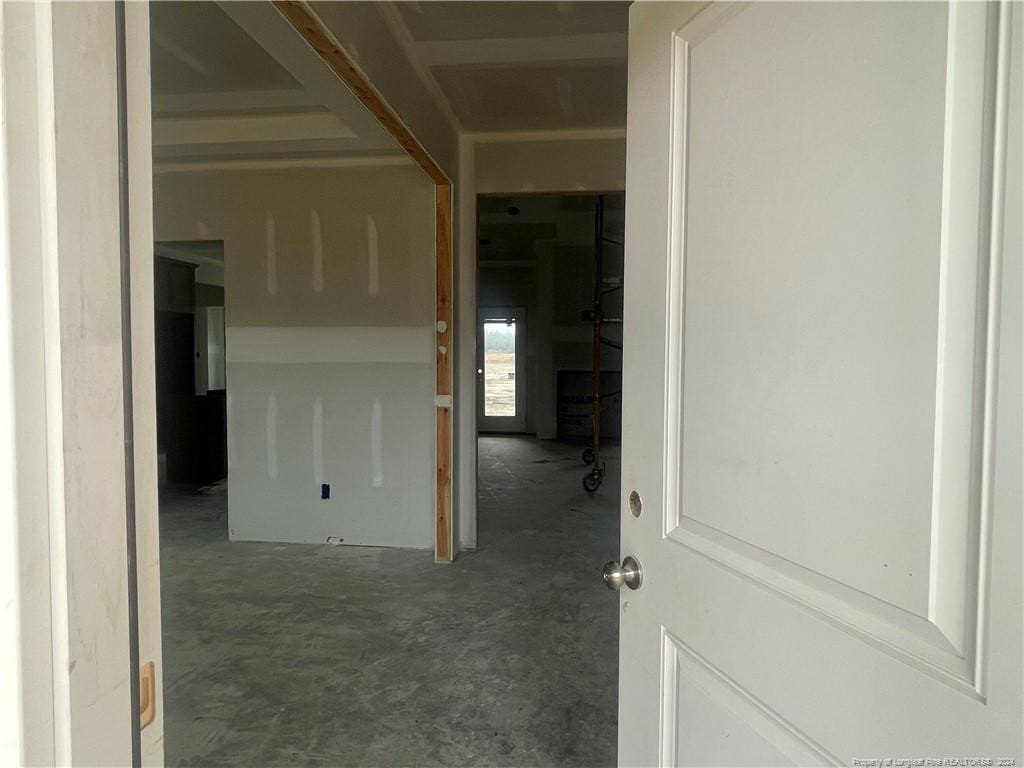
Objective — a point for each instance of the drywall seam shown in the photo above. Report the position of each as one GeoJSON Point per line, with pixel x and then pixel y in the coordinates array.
{"type": "Point", "coordinates": [271, 255]}
{"type": "Point", "coordinates": [318, 250]}
{"type": "Point", "coordinates": [372, 257]}
{"type": "Point", "coordinates": [338, 344]}
{"type": "Point", "coordinates": [318, 440]}
{"type": "Point", "coordinates": [376, 454]}
{"type": "Point", "coordinates": [272, 437]}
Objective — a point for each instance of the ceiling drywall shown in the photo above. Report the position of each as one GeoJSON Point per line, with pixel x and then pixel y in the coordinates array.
{"type": "Point", "coordinates": [235, 83]}
{"type": "Point", "coordinates": [520, 66]}
{"type": "Point", "coordinates": [197, 48]}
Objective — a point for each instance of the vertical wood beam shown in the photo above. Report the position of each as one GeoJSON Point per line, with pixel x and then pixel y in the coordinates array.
{"type": "Point", "coordinates": [444, 549]}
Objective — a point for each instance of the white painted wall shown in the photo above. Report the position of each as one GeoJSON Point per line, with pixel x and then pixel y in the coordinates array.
{"type": "Point", "coordinates": [329, 305]}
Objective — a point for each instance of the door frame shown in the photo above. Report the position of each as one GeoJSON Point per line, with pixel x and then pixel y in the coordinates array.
{"type": "Point", "coordinates": [80, 453]}
{"type": "Point", "coordinates": [503, 424]}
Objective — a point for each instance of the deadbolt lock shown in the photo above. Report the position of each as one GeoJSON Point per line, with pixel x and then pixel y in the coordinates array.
{"type": "Point", "coordinates": [636, 504]}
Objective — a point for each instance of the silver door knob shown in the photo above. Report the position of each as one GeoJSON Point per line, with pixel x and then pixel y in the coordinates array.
{"type": "Point", "coordinates": [629, 573]}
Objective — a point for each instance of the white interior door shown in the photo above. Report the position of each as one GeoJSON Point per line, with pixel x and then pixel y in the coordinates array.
{"type": "Point", "coordinates": [501, 370]}
{"type": "Point", "coordinates": [823, 298]}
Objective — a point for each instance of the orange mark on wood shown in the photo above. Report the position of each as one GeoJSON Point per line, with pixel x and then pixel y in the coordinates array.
{"type": "Point", "coordinates": [147, 694]}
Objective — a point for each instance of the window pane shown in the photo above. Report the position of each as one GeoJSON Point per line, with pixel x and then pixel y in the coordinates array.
{"type": "Point", "coordinates": [500, 368]}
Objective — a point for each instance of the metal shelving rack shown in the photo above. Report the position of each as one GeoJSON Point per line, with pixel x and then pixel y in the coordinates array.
{"type": "Point", "coordinates": [603, 286]}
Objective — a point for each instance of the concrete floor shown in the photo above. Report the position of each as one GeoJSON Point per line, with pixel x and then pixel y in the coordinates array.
{"type": "Point", "coordinates": [286, 654]}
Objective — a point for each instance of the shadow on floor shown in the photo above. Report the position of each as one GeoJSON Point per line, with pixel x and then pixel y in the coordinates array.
{"type": "Point", "coordinates": [285, 654]}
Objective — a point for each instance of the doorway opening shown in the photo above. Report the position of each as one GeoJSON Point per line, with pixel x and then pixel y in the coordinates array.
{"type": "Point", "coordinates": [190, 350]}
{"type": "Point", "coordinates": [558, 260]}
{"type": "Point", "coordinates": [548, 266]}
{"type": "Point", "coordinates": [501, 370]}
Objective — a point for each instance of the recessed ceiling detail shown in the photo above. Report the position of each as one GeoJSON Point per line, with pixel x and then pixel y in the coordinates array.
{"type": "Point", "coordinates": [197, 48]}
{"type": "Point", "coordinates": [520, 66]}
{"type": "Point", "coordinates": [537, 96]}
{"type": "Point", "coordinates": [235, 83]}
{"type": "Point", "coordinates": [488, 20]}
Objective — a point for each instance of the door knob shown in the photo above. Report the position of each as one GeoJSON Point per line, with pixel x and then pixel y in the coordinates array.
{"type": "Point", "coordinates": [629, 573]}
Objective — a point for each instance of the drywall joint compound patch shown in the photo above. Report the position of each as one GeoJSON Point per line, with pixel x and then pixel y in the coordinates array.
{"type": "Point", "coordinates": [318, 441]}
{"type": "Point", "coordinates": [271, 255]}
{"type": "Point", "coordinates": [272, 437]}
{"type": "Point", "coordinates": [376, 452]}
{"type": "Point", "coordinates": [318, 250]}
{"type": "Point", "coordinates": [372, 257]}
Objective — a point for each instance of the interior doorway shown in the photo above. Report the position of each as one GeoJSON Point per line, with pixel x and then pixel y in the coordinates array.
{"type": "Point", "coordinates": [501, 370]}
{"type": "Point", "coordinates": [549, 289]}
{"type": "Point", "coordinates": [190, 349]}
{"type": "Point", "coordinates": [549, 347]}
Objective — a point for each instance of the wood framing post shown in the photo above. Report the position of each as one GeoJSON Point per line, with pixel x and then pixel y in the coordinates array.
{"type": "Point", "coordinates": [444, 546]}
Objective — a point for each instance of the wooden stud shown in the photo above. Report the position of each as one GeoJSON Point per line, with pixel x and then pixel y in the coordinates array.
{"type": "Point", "coordinates": [443, 232]}
{"type": "Point", "coordinates": [443, 550]}
{"type": "Point", "coordinates": [309, 26]}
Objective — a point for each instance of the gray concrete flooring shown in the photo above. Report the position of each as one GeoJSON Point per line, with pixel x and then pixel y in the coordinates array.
{"type": "Point", "coordinates": [288, 654]}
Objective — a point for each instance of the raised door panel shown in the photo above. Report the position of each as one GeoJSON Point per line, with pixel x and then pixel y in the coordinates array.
{"type": "Point", "coordinates": [826, 399]}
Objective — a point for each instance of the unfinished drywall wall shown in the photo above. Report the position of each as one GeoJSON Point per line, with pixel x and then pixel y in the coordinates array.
{"type": "Point", "coordinates": [568, 165]}
{"type": "Point", "coordinates": [329, 305]}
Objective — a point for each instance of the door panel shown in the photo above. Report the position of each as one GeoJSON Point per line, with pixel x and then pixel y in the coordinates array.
{"type": "Point", "coordinates": [809, 393]}
{"type": "Point", "coordinates": [790, 307]}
